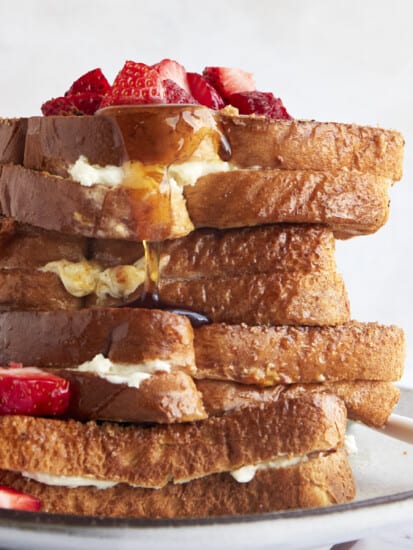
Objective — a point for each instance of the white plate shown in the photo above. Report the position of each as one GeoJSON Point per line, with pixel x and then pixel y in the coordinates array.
{"type": "Point", "coordinates": [383, 469]}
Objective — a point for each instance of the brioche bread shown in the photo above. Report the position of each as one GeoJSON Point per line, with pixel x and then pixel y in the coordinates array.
{"type": "Point", "coordinates": [322, 480]}
{"type": "Point", "coordinates": [12, 140]}
{"type": "Point", "coordinates": [270, 355]}
{"type": "Point", "coordinates": [154, 456]}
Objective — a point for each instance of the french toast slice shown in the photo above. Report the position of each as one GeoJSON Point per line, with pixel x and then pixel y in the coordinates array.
{"type": "Point", "coordinates": [295, 424]}
{"type": "Point", "coordinates": [321, 480]}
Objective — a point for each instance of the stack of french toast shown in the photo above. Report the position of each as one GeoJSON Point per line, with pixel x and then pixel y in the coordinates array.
{"type": "Point", "coordinates": [174, 335]}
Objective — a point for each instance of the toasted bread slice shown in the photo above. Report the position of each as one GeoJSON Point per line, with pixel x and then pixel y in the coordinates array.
{"type": "Point", "coordinates": [272, 355]}
{"type": "Point", "coordinates": [202, 253]}
{"type": "Point", "coordinates": [55, 142]}
{"type": "Point", "coordinates": [316, 298]}
{"type": "Point", "coordinates": [70, 338]}
{"type": "Point", "coordinates": [350, 203]}
{"type": "Point", "coordinates": [12, 140]}
{"type": "Point", "coordinates": [321, 480]}
{"type": "Point", "coordinates": [163, 398]}
{"type": "Point", "coordinates": [367, 401]}
{"type": "Point", "coordinates": [311, 145]}
{"type": "Point", "coordinates": [24, 246]}
{"type": "Point", "coordinates": [154, 456]}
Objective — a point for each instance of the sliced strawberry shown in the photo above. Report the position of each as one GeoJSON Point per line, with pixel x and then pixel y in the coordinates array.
{"type": "Point", "coordinates": [10, 499]}
{"type": "Point", "coordinates": [32, 391]}
{"type": "Point", "coordinates": [203, 92]}
{"type": "Point", "coordinates": [259, 103]}
{"type": "Point", "coordinates": [136, 83]}
{"type": "Point", "coordinates": [229, 81]}
{"type": "Point", "coordinates": [93, 81]}
{"type": "Point", "coordinates": [169, 69]}
{"type": "Point", "coordinates": [176, 94]}
{"type": "Point", "coordinates": [86, 103]}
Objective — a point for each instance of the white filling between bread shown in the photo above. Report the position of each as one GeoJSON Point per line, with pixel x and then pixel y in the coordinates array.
{"type": "Point", "coordinates": [247, 473]}
{"type": "Point", "coordinates": [123, 373]}
{"type": "Point", "coordinates": [85, 277]}
{"type": "Point", "coordinates": [182, 174]}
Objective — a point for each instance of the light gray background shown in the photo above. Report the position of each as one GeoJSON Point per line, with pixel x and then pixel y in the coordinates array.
{"type": "Point", "coordinates": [349, 61]}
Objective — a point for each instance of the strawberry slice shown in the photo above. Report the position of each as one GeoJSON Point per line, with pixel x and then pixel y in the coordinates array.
{"type": "Point", "coordinates": [10, 499]}
{"type": "Point", "coordinates": [93, 81]}
{"type": "Point", "coordinates": [229, 81]}
{"type": "Point", "coordinates": [203, 92]}
{"type": "Point", "coordinates": [31, 391]}
{"type": "Point", "coordinates": [169, 69]}
{"type": "Point", "coordinates": [136, 83]}
{"type": "Point", "coordinates": [259, 103]}
{"type": "Point", "coordinates": [176, 94]}
{"type": "Point", "coordinates": [86, 103]}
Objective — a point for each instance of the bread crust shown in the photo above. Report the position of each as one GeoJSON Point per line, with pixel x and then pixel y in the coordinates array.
{"type": "Point", "coordinates": [367, 401]}
{"type": "Point", "coordinates": [12, 140]}
{"type": "Point", "coordinates": [54, 142]}
{"type": "Point", "coordinates": [351, 203]}
{"type": "Point", "coordinates": [312, 145]}
{"type": "Point", "coordinates": [279, 299]}
{"type": "Point", "coordinates": [321, 481]}
{"type": "Point", "coordinates": [164, 398]}
{"type": "Point", "coordinates": [271, 355]}
{"type": "Point", "coordinates": [157, 455]}
{"type": "Point", "coordinates": [69, 338]}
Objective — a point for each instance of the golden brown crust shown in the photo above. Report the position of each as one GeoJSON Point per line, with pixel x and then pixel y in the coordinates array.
{"type": "Point", "coordinates": [163, 398]}
{"type": "Point", "coordinates": [26, 289]}
{"type": "Point", "coordinates": [69, 338]}
{"type": "Point", "coordinates": [312, 145]}
{"type": "Point", "coordinates": [279, 299]}
{"type": "Point", "coordinates": [350, 203]}
{"type": "Point", "coordinates": [367, 401]}
{"type": "Point", "coordinates": [270, 355]}
{"type": "Point", "coordinates": [154, 456]}
{"type": "Point", "coordinates": [320, 481]}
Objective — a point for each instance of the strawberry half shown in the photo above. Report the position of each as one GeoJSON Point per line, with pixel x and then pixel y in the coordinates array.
{"type": "Point", "coordinates": [203, 92]}
{"type": "Point", "coordinates": [169, 69]}
{"type": "Point", "coordinates": [229, 81]}
{"type": "Point", "coordinates": [259, 103]}
{"type": "Point", "coordinates": [93, 81]}
{"type": "Point", "coordinates": [10, 499]}
{"type": "Point", "coordinates": [31, 391]}
{"type": "Point", "coordinates": [136, 83]}
{"type": "Point", "coordinates": [176, 94]}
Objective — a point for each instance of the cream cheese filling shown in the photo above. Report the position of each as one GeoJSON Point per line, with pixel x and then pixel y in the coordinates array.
{"type": "Point", "coordinates": [131, 374]}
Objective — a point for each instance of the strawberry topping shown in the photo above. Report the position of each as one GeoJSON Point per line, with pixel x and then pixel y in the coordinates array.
{"type": "Point", "coordinates": [203, 92]}
{"type": "Point", "coordinates": [10, 499]}
{"type": "Point", "coordinates": [259, 103]}
{"type": "Point", "coordinates": [166, 82]}
{"type": "Point", "coordinates": [229, 81]}
{"type": "Point", "coordinates": [176, 94]}
{"type": "Point", "coordinates": [93, 81]}
{"type": "Point", "coordinates": [136, 83]}
{"type": "Point", "coordinates": [31, 391]}
{"type": "Point", "coordinates": [169, 69]}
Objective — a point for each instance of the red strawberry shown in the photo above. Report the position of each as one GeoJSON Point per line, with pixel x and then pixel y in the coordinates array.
{"type": "Point", "coordinates": [169, 69]}
{"type": "Point", "coordinates": [93, 81]}
{"type": "Point", "coordinates": [10, 499]}
{"type": "Point", "coordinates": [204, 92]}
{"type": "Point", "coordinates": [29, 390]}
{"type": "Point", "coordinates": [86, 103]}
{"type": "Point", "coordinates": [176, 94]}
{"type": "Point", "coordinates": [136, 83]}
{"type": "Point", "coordinates": [259, 103]}
{"type": "Point", "coordinates": [229, 81]}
